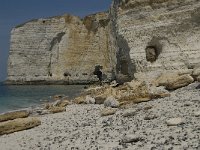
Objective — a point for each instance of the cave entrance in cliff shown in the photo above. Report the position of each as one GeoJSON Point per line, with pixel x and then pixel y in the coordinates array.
{"type": "Point", "coordinates": [151, 53]}
{"type": "Point", "coordinates": [153, 49]}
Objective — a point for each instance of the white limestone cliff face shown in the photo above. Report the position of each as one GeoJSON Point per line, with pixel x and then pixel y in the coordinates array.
{"type": "Point", "coordinates": [61, 49]}
{"type": "Point", "coordinates": [170, 29]}
{"type": "Point", "coordinates": [136, 36]}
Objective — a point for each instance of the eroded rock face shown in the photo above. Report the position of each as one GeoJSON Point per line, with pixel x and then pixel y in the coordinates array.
{"type": "Point", "coordinates": [135, 36]}
{"type": "Point", "coordinates": [13, 115]}
{"type": "Point", "coordinates": [18, 125]}
{"type": "Point", "coordinates": [159, 34]}
{"type": "Point", "coordinates": [63, 49]}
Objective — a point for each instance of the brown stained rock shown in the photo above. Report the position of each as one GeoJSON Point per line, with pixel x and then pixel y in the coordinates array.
{"type": "Point", "coordinates": [57, 109]}
{"type": "Point", "coordinates": [174, 81]}
{"type": "Point", "coordinates": [13, 115]}
{"type": "Point", "coordinates": [18, 125]}
{"type": "Point", "coordinates": [108, 111]}
{"type": "Point", "coordinates": [138, 91]}
{"type": "Point", "coordinates": [100, 99]}
{"type": "Point", "coordinates": [80, 100]}
{"type": "Point", "coordinates": [64, 103]}
{"type": "Point", "coordinates": [179, 82]}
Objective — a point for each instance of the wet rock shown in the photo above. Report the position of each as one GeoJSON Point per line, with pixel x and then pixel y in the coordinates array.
{"type": "Point", "coordinates": [13, 115]}
{"type": "Point", "coordinates": [61, 103]}
{"type": "Point", "coordinates": [108, 111]}
{"type": "Point", "coordinates": [174, 121]}
{"type": "Point", "coordinates": [18, 125]}
{"type": "Point", "coordinates": [111, 102]}
{"type": "Point", "coordinates": [56, 97]}
{"type": "Point", "coordinates": [56, 109]}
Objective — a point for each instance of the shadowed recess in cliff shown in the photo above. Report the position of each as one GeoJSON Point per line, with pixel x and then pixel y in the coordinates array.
{"type": "Point", "coordinates": [124, 64]}
{"type": "Point", "coordinates": [55, 41]}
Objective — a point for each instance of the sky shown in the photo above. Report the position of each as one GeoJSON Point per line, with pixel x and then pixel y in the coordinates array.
{"type": "Point", "coordinates": [14, 12]}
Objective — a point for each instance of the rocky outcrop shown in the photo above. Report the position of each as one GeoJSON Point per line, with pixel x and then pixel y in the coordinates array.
{"type": "Point", "coordinates": [13, 115]}
{"type": "Point", "coordinates": [62, 49]}
{"type": "Point", "coordinates": [18, 125]}
{"type": "Point", "coordinates": [135, 36]}
{"type": "Point", "coordinates": [156, 35]}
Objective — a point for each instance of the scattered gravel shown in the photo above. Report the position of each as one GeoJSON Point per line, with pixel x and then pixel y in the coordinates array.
{"type": "Point", "coordinates": [142, 127]}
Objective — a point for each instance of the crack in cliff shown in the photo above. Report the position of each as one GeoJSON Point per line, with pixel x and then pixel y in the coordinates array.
{"type": "Point", "coordinates": [54, 41]}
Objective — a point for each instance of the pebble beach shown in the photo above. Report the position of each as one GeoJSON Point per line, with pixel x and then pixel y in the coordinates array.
{"type": "Point", "coordinates": [166, 123]}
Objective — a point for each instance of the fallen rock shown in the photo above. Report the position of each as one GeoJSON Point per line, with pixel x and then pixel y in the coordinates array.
{"type": "Point", "coordinates": [100, 99]}
{"type": "Point", "coordinates": [111, 102]}
{"type": "Point", "coordinates": [173, 81]}
{"type": "Point", "coordinates": [56, 109]}
{"type": "Point", "coordinates": [131, 138]}
{"type": "Point", "coordinates": [89, 100]}
{"type": "Point", "coordinates": [179, 82]}
{"type": "Point", "coordinates": [197, 114]}
{"type": "Point", "coordinates": [61, 103]}
{"type": "Point", "coordinates": [174, 121]}
{"type": "Point", "coordinates": [108, 111]}
{"type": "Point", "coordinates": [18, 125]}
{"type": "Point", "coordinates": [141, 91]}
{"type": "Point", "coordinates": [14, 115]}
{"type": "Point", "coordinates": [129, 113]}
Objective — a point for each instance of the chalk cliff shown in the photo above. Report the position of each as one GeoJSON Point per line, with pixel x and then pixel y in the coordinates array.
{"type": "Point", "coordinates": [157, 34]}
{"type": "Point", "coordinates": [62, 49]}
{"type": "Point", "coordinates": [134, 36]}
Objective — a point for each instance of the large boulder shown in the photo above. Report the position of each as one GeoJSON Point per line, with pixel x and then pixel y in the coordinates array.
{"type": "Point", "coordinates": [13, 115]}
{"type": "Point", "coordinates": [18, 125]}
{"type": "Point", "coordinates": [138, 91]}
{"type": "Point", "coordinates": [173, 81]}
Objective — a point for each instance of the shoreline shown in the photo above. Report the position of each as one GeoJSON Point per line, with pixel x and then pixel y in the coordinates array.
{"type": "Point", "coordinates": [144, 126]}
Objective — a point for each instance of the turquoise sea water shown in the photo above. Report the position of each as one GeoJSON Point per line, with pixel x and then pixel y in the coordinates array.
{"type": "Point", "coordinates": [13, 97]}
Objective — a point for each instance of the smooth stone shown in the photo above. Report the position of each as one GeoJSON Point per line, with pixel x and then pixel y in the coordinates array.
{"type": "Point", "coordinates": [174, 121]}
{"type": "Point", "coordinates": [197, 114]}
{"type": "Point", "coordinates": [129, 113]}
{"type": "Point", "coordinates": [108, 111]}
{"type": "Point", "coordinates": [111, 102]}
